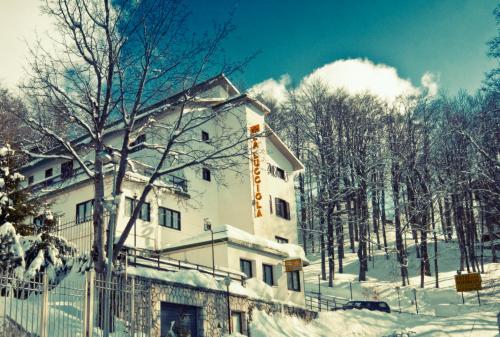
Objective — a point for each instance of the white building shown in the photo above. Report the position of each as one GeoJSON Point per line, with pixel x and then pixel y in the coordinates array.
{"type": "Point", "coordinates": [253, 212]}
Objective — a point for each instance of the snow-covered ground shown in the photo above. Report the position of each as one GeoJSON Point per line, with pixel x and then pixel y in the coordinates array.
{"type": "Point", "coordinates": [441, 312]}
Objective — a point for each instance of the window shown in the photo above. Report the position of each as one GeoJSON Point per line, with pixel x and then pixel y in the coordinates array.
{"type": "Point", "coordinates": [67, 170]}
{"type": "Point", "coordinates": [31, 180]}
{"type": "Point", "coordinates": [293, 278]}
{"type": "Point", "coordinates": [136, 144]}
{"type": "Point", "coordinates": [84, 211]}
{"type": "Point", "coordinates": [280, 173]}
{"type": "Point", "coordinates": [279, 239]}
{"type": "Point", "coordinates": [237, 321]}
{"type": "Point", "coordinates": [169, 218]}
{"type": "Point", "coordinates": [277, 172]}
{"type": "Point", "coordinates": [206, 174]}
{"type": "Point", "coordinates": [144, 214]}
{"type": "Point", "coordinates": [38, 221]}
{"type": "Point", "coordinates": [267, 271]}
{"type": "Point", "coordinates": [246, 267]}
{"type": "Point", "coordinates": [205, 136]}
{"type": "Point", "coordinates": [282, 208]}
{"type": "Point", "coordinates": [48, 173]}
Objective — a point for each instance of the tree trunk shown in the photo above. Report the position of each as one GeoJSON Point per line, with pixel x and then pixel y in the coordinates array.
{"type": "Point", "coordinates": [98, 248]}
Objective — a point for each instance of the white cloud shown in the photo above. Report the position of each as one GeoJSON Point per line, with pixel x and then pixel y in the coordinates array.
{"type": "Point", "coordinates": [430, 82]}
{"type": "Point", "coordinates": [355, 76]}
{"type": "Point", "coordinates": [272, 89]}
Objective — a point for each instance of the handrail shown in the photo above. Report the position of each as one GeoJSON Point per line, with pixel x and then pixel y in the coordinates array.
{"type": "Point", "coordinates": [157, 262]}
{"type": "Point", "coordinates": [175, 181]}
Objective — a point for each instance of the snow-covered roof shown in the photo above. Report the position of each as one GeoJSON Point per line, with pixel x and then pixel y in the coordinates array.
{"type": "Point", "coordinates": [228, 233]}
{"type": "Point", "coordinates": [273, 137]}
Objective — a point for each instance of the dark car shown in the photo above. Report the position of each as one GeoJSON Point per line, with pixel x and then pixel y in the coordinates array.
{"type": "Point", "coordinates": [370, 305]}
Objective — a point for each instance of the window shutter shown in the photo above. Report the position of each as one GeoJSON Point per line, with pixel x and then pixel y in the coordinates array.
{"type": "Point", "coordinates": [287, 206]}
{"type": "Point", "coordinates": [269, 168]}
{"type": "Point", "coordinates": [286, 176]}
{"type": "Point", "coordinates": [276, 206]}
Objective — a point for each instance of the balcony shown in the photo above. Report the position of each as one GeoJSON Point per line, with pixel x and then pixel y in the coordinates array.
{"type": "Point", "coordinates": [178, 184]}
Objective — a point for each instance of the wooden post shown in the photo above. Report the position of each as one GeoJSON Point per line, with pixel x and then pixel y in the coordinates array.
{"type": "Point", "coordinates": [132, 303]}
{"type": "Point", "coordinates": [44, 318]}
{"type": "Point", "coordinates": [415, 296]}
{"type": "Point", "coordinates": [88, 313]}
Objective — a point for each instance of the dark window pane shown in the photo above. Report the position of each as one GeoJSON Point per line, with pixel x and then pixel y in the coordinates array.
{"type": "Point", "coordinates": [293, 279]}
{"type": "Point", "coordinates": [279, 239]}
{"type": "Point", "coordinates": [282, 208]}
{"type": "Point", "coordinates": [170, 218]}
{"type": "Point", "coordinates": [84, 211]}
{"type": "Point", "coordinates": [206, 174]}
{"type": "Point", "coordinates": [246, 267]}
{"type": "Point", "coordinates": [48, 173]}
{"type": "Point", "coordinates": [268, 274]}
{"type": "Point", "coordinates": [136, 144]}
{"type": "Point", "coordinates": [280, 173]}
{"type": "Point", "coordinates": [204, 136]}
{"type": "Point", "coordinates": [67, 170]}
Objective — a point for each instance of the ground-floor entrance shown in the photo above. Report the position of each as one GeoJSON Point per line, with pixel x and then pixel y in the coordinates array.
{"type": "Point", "coordinates": [179, 320]}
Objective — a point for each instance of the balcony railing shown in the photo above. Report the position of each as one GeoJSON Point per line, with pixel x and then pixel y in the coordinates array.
{"type": "Point", "coordinates": [169, 179]}
{"type": "Point", "coordinates": [177, 183]}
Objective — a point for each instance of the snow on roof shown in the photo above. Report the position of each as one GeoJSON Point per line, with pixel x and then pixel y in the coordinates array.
{"type": "Point", "coordinates": [242, 238]}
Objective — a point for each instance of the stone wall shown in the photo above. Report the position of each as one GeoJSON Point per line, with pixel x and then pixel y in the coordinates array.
{"type": "Point", "coordinates": [212, 307]}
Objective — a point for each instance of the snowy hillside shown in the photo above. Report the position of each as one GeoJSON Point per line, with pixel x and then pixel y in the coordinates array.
{"type": "Point", "coordinates": [441, 312]}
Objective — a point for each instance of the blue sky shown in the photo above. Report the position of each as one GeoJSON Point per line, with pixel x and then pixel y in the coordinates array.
{"type": "Point", "coordinates": [444, 39]}
{"type": "Point", "coordinates": [447, 38]}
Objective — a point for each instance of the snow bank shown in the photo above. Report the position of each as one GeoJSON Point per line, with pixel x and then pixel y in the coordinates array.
{"type": "Point", "coordinates": [364, 323]}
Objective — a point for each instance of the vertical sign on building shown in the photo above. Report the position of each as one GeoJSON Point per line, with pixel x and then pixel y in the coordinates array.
{"type": "Point", "coordinates": [254, 129]}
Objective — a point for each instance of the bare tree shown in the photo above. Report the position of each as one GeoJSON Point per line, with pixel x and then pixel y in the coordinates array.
{"type": "Point", "coordinates": [115, 59]}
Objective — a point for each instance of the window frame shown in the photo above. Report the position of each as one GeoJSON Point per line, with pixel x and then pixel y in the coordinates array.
{"type": "Point", "coordinates": [162, 217]}
{"type": "Point", "coordinates": [244, 261]}
{"type": "Point", "coordinates": [130, 204]}
{"type": "Point", "coordinates": [290, 281]}
{"type": "Point", "coordinates": [85, 205]}
{"type": "Point", "coordinates": [240, 315]}
{"type": "Point", "coordinates": [280, 239]}
{"type": "Point", "coordinates": [67, 169]}
{"type": "Point", "coordinates": [205, 136]}
{"type": "Point", "coordinates": [282, 208]}
{"type": "Point", "coordinates": [206, 174]}
{"type": "Point", "coordinates": [271, 268]}
{"type": "Point", "coordinates": [136, 144]}
{"type": "Point", "coordinates": [280, 173]}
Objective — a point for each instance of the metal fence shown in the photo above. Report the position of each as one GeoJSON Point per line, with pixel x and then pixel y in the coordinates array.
{"type": "Point", "coordinates": [75, 307]}
{"type": "Point", "coordinates": [154, 260]}
{"type": "Point", "coordinates": [81, 234]}
{"type": "Point", "coordinates": [319, 302]}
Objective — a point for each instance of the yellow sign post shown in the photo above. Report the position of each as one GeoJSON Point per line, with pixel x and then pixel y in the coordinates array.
{"type": "Point", "coordinates": [468, 282]}
{"type": "Point", "coordinates": [293, 265]}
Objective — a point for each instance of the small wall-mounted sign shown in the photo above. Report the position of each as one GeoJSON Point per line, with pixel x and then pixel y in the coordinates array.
{"type": "Point", "coordinates": [293, 265]}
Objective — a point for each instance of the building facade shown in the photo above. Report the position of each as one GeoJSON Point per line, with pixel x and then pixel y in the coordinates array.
{"type": "Point", "coordinates": [251, 209]}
